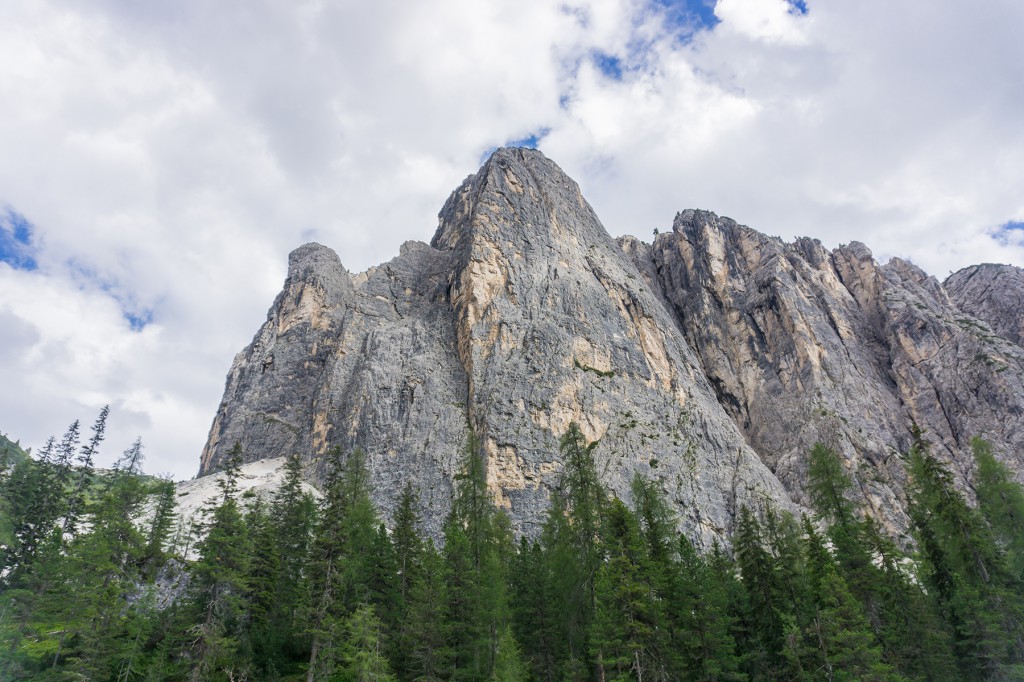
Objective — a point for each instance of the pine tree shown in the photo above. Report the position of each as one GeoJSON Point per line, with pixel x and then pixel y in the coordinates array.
{"type": "Point", "coordinates": [282, 536]}
{"type": "Point", "coordinates": [341, 566]}
{"type": "Point", "coordinates": [562, 583]}
{"type": "Point", "coordinates": [966, 571]}
{"type": "Point", "coordinates": [219, 581]}
{"type": "Point", "coordinates": [362, 653]}
{"type": "Point", "coordinates": [1001, 502]}
{"type": "Point", "coordinates": [535, 615]}
{"type": "Point", "coordinates": [429, 628]}
{"type": "Point", "coordinates": [667, 576]}
{"type": "Point", "coordinates": [35, 497]}
{"type": "Point", "coordinates": [845, 647]}
{"type": "Point", "coordinates": [764, 624]}
{"type": "Point", "coordinates": [626, 634]}
{"type": "Point", "coordinates": [477, 544]}
{"type": "Point", "coordinates": [408, 558]}
{"type": "Point", "coordinates": [571, 540]}
{"type": "Point", "coordinates": [701, 604]}
{"type": "Point", "coordinates": [83, 474]}
{"type": "Point", "coordinates": [914, 638]}
{"type": "Point", "coordinates": [159, 533]}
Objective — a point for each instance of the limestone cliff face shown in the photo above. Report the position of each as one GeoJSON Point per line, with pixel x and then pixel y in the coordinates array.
{"type": "Point", "coordinates": [993, 293]}
{"type": "Point", "coordinates": [805, 345]}
{"type": "Point", "coordinates": [709, 361]}
{"type": "Point", "coordinates": [521, 316]}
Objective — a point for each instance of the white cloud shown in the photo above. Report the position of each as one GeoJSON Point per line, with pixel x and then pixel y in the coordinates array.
{"type": "Point", "coordinates": [772, 21]}
{"type": "Point", "coordinates": [170, 154]}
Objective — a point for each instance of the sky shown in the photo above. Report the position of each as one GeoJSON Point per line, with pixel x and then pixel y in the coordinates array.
{"type": "Point", "coordinates": [158, 160]}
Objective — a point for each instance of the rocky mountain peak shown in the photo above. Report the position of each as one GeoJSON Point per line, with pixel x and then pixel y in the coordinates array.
{"type": "Point", "coordinates": [993, 293]}
{"type": "Point", "coordinates": [709, 361]}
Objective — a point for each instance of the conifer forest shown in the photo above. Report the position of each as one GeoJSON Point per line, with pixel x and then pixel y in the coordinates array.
{"type": "Point", "coordinates": [95, 584]}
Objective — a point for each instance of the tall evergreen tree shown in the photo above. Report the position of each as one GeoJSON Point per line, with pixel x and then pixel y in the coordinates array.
{"type": "Point", "coordinates": [844, 645]}
{"type": "Point", "coordinates": [477, 543]}
{"type": "Point", "coordinates": [1001, 502]}
{"type": "Point", "coordinates": [282, 535]}
{"type": "Point", "coordinates": [429, 628]}
{"type": "Point", "coordinates": [966, 570]}
{"type": "Point", "coordinates": [35, 503]}
{"type": "Point", "coordinates": [627, 636]}
{"type": "Point", "coordinates": [702, 605]}
{"type": "Point", "coordinates": [408, 551]}
{"type": "Point", "coordinates": [764, 622]}
{"type": "Point", "coordinates": [508, 662]}
{"type": "Point", "coordinates": [341, 570]}
{"type": "Point", "coordinates": [573, 540]}
{"type": "Point", "coordinates": [219, 582]}
{"type": "Point", "coordinates": [83, 474]}
{"type": "Point", "coordinates": [159, 533]}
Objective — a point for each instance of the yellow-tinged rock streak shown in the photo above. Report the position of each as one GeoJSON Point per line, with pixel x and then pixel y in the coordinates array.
{"type": "Point", "coordinates": [587, 355]}
{"type": "Point", "coordinates": [504, 471]}
{"type": "Point", "coordinates": [652, 341]}
{"type": "Point", "coordinates": [565, 408]}
{"type": "Point", "coordinates": [320, 428]}
{"type": "Point", "coordinates": [310, 307]}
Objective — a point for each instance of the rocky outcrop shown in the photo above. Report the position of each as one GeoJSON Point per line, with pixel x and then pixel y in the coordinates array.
{"type": "Point", "coordinates": [805, 345]}
{"type": "Point", "coordinates": [522, 316]}
{"type": "Point", "coordinates": [710, 360]}
{"type": "Point", "coordinates": [994, 294]}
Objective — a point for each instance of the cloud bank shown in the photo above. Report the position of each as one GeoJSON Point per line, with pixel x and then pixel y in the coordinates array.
{"type": "Point", "coordinates": [161, 159]}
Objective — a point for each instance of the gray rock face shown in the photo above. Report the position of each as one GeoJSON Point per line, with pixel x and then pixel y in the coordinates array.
{"type": "Point", "coordinates": [709, 361]}
{"type": "Point", "coordinates": [522, 316]}
{"type": "Point", "coordinates": [993, 293]}
{"type": "Point", "coordinates": [806, 345]}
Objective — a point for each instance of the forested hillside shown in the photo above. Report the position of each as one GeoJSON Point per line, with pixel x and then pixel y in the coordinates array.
{"type": "Point", "coordinates": [289, 588]}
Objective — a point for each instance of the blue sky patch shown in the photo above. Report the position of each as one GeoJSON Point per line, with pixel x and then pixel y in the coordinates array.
{"type": "Point", "coordinates": [1011, 232]}
{"type": "Point", "coordinates": [690, 16]}
{"type": "Point", "coordinates": [797, 7]}
{"type": "Point", "coordinates": [139, 321]}
{"type": "Point", "coordinates": [531, 140]}
{"type": "Point", "coordinates": [88, 278]}
{"type": "Point", "coordinates": [608, 64]}
{"type": "Point", "coordinates": [16, 245]}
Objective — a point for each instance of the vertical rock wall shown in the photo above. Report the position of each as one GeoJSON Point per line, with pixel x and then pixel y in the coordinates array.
{"type": "Point", "coordinates": [709, 361]}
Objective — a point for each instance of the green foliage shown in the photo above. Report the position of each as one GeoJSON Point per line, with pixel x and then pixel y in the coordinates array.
{"type": "Point", "coordinates": [1001, 502]}
{"type": "Point", "coordinates": [967, 570]}
{"type": "Point", "coordinates": [286, 588]}
{"type": "Point", "coordinates": [478, 544]}
{"type": "Point", "coordinates": [627, 635]}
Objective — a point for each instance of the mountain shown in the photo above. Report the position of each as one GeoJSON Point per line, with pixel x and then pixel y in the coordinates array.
{"type": "Point", "coordinates": [710, 360]}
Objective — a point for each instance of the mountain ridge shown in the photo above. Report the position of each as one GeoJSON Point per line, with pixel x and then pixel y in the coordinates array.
{"type": "Point", "coordinates": [709, 360]}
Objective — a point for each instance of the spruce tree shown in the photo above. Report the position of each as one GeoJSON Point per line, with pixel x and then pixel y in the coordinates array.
{"type": "Point", "coordinates": [429, 628]}
{"type": "Point", "coordinates": [282, 540]}
{"type": "Point", "coordinates": [1001, 502]}
{"type": "Point", "coordinates": [844, 645]}
{"type": "Point", "coordinates": [702, 607]}
{"type": "Point", "coordinates": [341, 569]}
{"type": "Point", "coordinates": [572, 545]}
{"type": "Point", "coordinates": [764, 622]}
{"type": "Point", "coordinates": [627, 631]}
{"type": "Point", "coordinates": [408, 559]}
{"type": "Point", "coordinates": [83, 475]}
{"type": "Point", "coordinates": [159, 532]}
{"type": "Point", "coordinates": [966, 571]}
{"type": "Point", "coordinates": [477, 545]}
{"type": "Point", "coordinates": [219, 582]}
